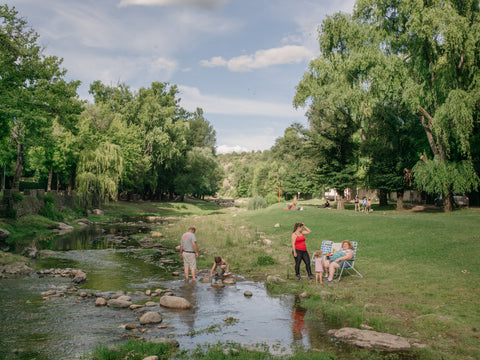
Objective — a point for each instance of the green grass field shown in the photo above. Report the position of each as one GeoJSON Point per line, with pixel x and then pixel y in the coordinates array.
{"type": "Point", "coordinates": [421, 270]}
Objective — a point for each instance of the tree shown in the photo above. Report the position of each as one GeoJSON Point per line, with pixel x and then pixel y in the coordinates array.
{"type": "Point", "coordinates": [295, 164]}
{"type": "Point", "coordinates": [32, 89]}
{"type": "Point", "coordinates": [202, 175]}
{"type": "Point", "coordinates": [200, 133]}
{"type": "Point", "coordinates": [99, 172]}
{"type": "Point", "coordinates": [438, 43]}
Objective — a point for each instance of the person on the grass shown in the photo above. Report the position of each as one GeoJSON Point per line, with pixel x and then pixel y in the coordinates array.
{"type": "Point", "coordinates": [299, 249]}
{"type": "Point", "coordinates": [318, 256]}
{"type": "Point", "coordinates": [337, 259]}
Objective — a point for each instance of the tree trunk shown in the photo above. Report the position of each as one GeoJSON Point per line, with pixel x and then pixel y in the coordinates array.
{"type": "Point", "coordinates": [50, 176]}
{"type": "Point", "coordinates": [400, 200]}
{"type": "Point", "coordinates": [58, 182]}
{"type": "Point", "coordinates": [18, 168]}
{"type": "Point", "coordinates": [382, 197]}
{"type": "Point", "coordinates": [448, 200]}
{"type": "Point", "coordinates": [71, 184]}
{"type": "Point", "coordinates": [340, 201]}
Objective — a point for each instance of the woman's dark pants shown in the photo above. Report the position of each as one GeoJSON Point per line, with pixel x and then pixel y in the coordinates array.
{"type": "Point", "coordinates": [302, 255]}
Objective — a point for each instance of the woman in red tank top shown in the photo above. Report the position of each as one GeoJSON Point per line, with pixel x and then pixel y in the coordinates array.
{"type": "Point", "coordinates": [299, 249]}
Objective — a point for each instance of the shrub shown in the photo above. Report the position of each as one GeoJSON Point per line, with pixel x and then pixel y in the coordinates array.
{"type": "Point", "coordinates": [49, 210]}
{"type": "Point", "coordinates": [257, 203]}
{"type": "Point", "coordinates": [271, 199]}
{"type": "Point", "coordinates": [265, 260]}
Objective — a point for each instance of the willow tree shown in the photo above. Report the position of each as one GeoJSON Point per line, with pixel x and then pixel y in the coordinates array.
{"type": "Point", "coordinates": [439, 44]}
{"type": "Point", "coordinates": [98, 174]}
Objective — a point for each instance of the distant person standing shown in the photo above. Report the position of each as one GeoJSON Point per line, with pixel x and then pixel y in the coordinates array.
{"type": "Point", "coordinates": [369, 205]}
{"type": "Point", "coordinates": [189, 252]}
{"type": "Point", "coordinates": [365, 205]}
{"type": "Point", "coordinates": [357, 203]}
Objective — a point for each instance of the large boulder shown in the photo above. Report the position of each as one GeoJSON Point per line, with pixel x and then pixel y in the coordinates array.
{"type": "Point", "coordinates": [118, 303]}
{"type": "Point", "coordinates": [100, 301]}
{"type": "Point", "coordinates": [79, 276]}
{"type": "Point", "coordinates": [175, 302]}
{"type": "Point", "coordinates": [369, 339]}
{"type": "Point", "coordinates": [150, 317]}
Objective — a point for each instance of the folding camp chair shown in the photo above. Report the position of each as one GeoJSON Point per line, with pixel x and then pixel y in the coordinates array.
{"type": "Point", "coordinates": [347, 266]}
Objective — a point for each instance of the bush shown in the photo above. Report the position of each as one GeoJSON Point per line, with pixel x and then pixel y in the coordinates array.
{"type": "Point", "coordinates": [265, 260]}
{"type": "Point", "coordinates": [49, 210]}
{"type": "Point", "coordinates": [257, 203]}
{"type": "Point", "coordinates": [271, 199]}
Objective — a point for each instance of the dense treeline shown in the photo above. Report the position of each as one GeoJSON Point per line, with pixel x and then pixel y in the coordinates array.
{"type": "Point", "coordinates": [126, 142]}
{"type": "Point", "coordinates": [392, 104]}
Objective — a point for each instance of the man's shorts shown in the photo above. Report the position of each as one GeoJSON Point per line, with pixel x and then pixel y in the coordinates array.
{"type": "Point", "coordinates": [189, 261]}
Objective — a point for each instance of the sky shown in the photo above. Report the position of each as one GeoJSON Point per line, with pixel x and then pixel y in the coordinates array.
{"type": "Point", "coordinates": [238, 60]}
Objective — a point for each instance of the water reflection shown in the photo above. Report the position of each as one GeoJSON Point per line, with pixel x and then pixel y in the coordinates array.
{"type": "Point", "coordinates": [298, 324]}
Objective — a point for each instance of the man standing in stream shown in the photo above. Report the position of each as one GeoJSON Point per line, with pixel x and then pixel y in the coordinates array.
{"type": "Point", "coordinates": [189, 252]}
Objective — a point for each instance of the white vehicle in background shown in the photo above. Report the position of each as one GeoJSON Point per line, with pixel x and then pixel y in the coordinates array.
{"type": "Point", "coordinates": [461, 200]}
{"type": "Point", "coordinates": [331, 195]}
{"type": "Point", "coordinates": [458, 199]}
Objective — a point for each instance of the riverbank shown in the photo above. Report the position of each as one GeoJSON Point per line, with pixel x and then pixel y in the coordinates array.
{"type": "Point", "coordinates": [403, 256]}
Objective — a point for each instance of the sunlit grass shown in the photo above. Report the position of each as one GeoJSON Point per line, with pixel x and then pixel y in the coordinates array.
{"type": "Point", "coordinates": [420, 269]}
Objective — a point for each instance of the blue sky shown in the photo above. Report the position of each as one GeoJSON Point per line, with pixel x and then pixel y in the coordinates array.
{"type": "Point", "coordinates": [238, 60]}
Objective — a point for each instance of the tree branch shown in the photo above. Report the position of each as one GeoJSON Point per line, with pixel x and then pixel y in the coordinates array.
{"type": "Point", "coordinates": [428, 129]}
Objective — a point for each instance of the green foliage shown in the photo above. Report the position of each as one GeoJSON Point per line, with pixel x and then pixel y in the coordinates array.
{"type": "Point", "coordinates": [265, 260]}
{"type": "Point", "coordinates": [271, 198]}
{"type": "Point", "coordinates": [17, 197]}
{"type": "Point", "coordinates": [257, 203]}
{"type": "Point", "coordinates": [49, 210]}
{"type": "Point", "coordinates": [438, 177]}
{"type": "Point", "coordinates": [99, 172]}
{"type": "Point", "coordinates": [386, 72]}
{"type": "Point", "coordinates": [10, 213]}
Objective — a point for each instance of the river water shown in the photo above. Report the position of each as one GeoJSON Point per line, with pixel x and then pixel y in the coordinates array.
{"type": "Point", "coordinates": [68, 327]}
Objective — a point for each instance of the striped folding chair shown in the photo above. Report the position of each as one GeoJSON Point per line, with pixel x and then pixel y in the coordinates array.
{"type": "Point", "coordinates": [349, 266]}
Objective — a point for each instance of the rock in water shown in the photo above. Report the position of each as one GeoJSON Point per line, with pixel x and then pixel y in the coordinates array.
{"type": "Point", "coordinates": [175, 302]}
{"type": "Point", "coordinates": [150, 317]}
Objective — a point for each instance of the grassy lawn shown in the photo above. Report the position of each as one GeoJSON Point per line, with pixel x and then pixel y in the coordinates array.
{"type": "Point", "coordinates": [421, 270]}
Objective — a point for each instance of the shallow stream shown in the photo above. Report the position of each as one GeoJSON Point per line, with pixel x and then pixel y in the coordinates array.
{"type": "Point", "coordinates": [69, 326]}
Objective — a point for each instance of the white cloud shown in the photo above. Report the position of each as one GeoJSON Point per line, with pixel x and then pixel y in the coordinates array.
{"type": "Point", "coordinates": [214, 62]}
{"type": "Point", "coordinates": [262, 58]}
{"type": "Point", "coordinates": [225, 149]}
{"type": "Point", "coordinates": [216, 104]}
{"type": "Point", "coordinates": [166, 64]}
{"type": "Point", "coordinates": [205, 4]}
